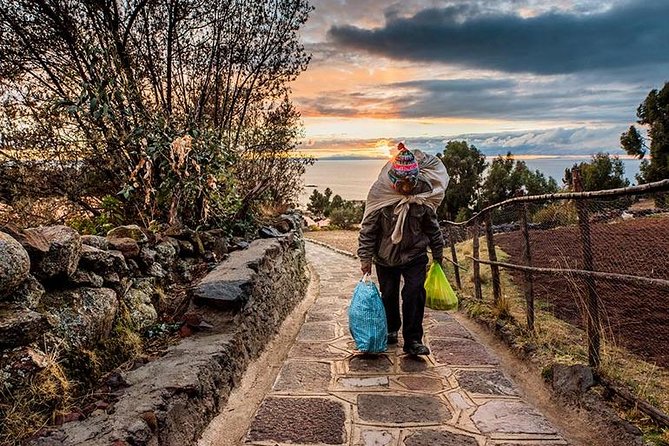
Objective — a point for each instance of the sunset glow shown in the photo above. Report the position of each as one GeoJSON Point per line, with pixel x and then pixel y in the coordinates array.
{"type": "Point", "coordinates": [425, 72]}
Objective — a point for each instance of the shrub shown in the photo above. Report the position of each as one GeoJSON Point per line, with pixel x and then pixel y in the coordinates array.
{"type": "Point", "coordinates": [558, 214]}
{"type": "Point", "coordinates": [347, 215]}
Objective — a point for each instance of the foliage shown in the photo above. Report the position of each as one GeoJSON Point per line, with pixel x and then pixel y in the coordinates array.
{"type": "Point", "coordinates": [179, 108]}
{"type": "Point", "coordinates": [346, 215]}
{"type": "Point", "coordinates": [508, 177]}
{"type": "Point", "coordinates": [557, 214]}
{"type": "Point", "coordinates": [319, 203]}
{"type": "Point", "coordinates": [602, 172]}
{"type": "Point", "coordinates": [342, 213]}
{"type": "Point", "coordinates": [465, 165]}
{"type": "Point", "coordinates": [653, 113]}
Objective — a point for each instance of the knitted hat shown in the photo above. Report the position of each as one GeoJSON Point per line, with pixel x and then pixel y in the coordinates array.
{"type": "Point", "coordinates": [404, 167]}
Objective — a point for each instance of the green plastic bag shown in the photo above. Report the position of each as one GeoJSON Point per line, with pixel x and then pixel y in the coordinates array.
{"type": "Point", "coordinates": [440, 295]}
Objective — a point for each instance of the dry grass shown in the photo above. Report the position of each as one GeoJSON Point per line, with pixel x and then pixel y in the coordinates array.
{"type": "Point", "coordinates": [29, 408]}
{"type": "Point", "coordinates": [559, 341]}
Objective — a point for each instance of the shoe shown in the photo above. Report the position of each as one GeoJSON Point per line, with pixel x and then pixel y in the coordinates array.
{"type": "Point", "coordinates": [416, 349]}
{"type": "Point", "coordinates": [392, 337]}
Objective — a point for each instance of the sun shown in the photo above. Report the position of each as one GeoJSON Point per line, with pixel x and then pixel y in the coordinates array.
{"type": "Point", "coordinates": [383, 147]}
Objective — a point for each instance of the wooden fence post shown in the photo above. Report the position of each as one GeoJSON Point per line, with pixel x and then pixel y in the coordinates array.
{"type": "Point", "coordinates": [594, 326]}
{"type": "Point", "coordinates": [476, 266]}
{"type": "Point", "coordinates": [527, 256]}
{"type": "Point", "coordinates": [454, 256]}
{"type": "Point", "coordinates": [492, 256]}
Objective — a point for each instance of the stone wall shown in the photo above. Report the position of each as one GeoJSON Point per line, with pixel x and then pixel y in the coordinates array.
{"type": "Point", "coordinates": [170, 400]}
{"type": "Point", "coordinates": [69, 291]}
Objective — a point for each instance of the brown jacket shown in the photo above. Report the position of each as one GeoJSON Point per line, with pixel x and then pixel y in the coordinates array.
{"type": "Point", "coordinates": [421, 229]}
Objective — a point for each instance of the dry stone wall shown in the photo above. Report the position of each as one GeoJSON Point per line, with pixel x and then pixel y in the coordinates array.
{"type": "Point", "coordinates": [169, 401]}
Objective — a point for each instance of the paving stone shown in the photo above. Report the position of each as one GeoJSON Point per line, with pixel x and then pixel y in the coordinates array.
{"type": "Point", "coordinates": [441, 438]}
{"type": "Point", "coordinates": [439, 316]}
{"type": "Point", "coordinates": [372, 381]}
{"type": "Point", "coordinates": [317, 331]}
{"type": "Point", "coordinates": [485, 382]}
{"type": "Point", "coordinates": [370, 363]}
{"type": "Point", "coordinates": [510, 417]}
{"type": "Point", "coordinates": [542, 443]}
{"type": "Point", "coordinates": [449, 329]}
{"type": "Point", "coordinates": [369, 437]}
{"type": "Point", "coordinates": [417, 382]}
{"type": "Point", "coordinates": [461, 352]}
{"type": "Point", "coordinates": [321, 316]}
{"type": "Point", "coordinates": [413, 364]}
{"type": "Point", "coordinates": [459, 401]}
{"type": "Point", "coordinates": [303, 376]}
{"type": "Point", "coordinates": [299, 420]}
{"type": "Point", "coordinates": [402, 409]}
{"type": "Point", "coordinates": [314, 350]}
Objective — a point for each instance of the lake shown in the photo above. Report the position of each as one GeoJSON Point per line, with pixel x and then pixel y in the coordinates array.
{"type": "Point", "coordinates": [352, 178]}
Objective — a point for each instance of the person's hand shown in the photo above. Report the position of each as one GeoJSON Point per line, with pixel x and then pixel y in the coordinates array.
{"type": "Point", "coordinates": [366, 267]}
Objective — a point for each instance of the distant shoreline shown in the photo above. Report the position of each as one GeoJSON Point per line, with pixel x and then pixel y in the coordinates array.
{"type": "Point", "coordinates": [517, 157]}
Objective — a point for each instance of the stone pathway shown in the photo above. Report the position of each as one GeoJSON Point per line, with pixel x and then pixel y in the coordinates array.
{"type": "Point", "coordinates": [327, 394]}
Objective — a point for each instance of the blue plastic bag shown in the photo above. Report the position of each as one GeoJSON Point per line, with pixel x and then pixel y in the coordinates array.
{"type": "Point", "coordinates": [367, 318]}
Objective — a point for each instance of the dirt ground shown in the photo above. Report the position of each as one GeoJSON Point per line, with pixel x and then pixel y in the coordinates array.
{"type": "Point", "coordinates": [636, 317]}
{"type": "Point", "coordinates": [344, 240]}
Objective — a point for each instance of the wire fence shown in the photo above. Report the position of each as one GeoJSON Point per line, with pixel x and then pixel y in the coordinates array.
{"type": "Point", "coordinates": [591, 268]}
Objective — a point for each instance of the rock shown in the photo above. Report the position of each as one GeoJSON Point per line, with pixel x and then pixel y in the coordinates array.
{"type": "Point", "coordinates": [214, 240]}
{"type": "Point", "coordinates": [14, 264]}
{"type": "Point", "coordinates": [20, 326]}
{"type": "Point", "coordinates": [17, 366]}
{"type": "Point", "coordinates": [33, 241]}
{"type": "Point", "coordinates": [103, 262]}
{"type": "Point", "coordinates": [226, 286]}
{"type": "Point", "coordinates": [28, 294]}
{"type": "Point", "coordinates": [156, 270]}
{"type": "Point", "coordinates": [63, 255]}
{"type": "Point", "coordinates": [283, 226]}
{"type": "Point", "coordinates": [183, 268]}
{"type": "Point", "coordinates": [572, 380]}
{"type": "Point", "coordinates": [95, 241]}
{"type": "Point", "coordinates": [165, 253]}
{"type": "Point", "coordinates": [186, 248]}
{"type": "Point", "coordinates": [268, 232]}
{"type": "Point", "coordinates": [139, 302]}
{"type": "Point", "coordinates": [83, 316]}
{"type": "Point", "coordinates": [112, 278]}
{"type": "Point", "coordinates": [130, 231]}
{"type": "Point", "coordinates": [87, 279]}
{"type": "Point", "coordinates": [133, 266]}
{"type": "Point", "coordinates": [147, 256]}
{"type": "Point", "coordinates": [128, 247]}
{"type": "Point", "coordinates": [239, 244]}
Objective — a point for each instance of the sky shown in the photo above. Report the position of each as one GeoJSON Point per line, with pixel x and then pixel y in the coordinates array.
{"type": "Point", "coordinates": [534, 77]}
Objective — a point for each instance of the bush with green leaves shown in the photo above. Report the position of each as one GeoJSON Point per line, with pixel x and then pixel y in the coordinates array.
{"type": "Point", "coordinates": [347, 215]}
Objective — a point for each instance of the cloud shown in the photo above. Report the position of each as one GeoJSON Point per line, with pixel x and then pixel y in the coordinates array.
{"type": "Point", "coordinates": [573, 141]}
{"type": "Point", "coordinates": [551, 42]}
{"type": "Point", "coordinates": [562, 99]}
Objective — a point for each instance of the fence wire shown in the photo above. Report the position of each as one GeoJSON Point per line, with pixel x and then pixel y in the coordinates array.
{"type": "Point", "coordinates": [623, 239]}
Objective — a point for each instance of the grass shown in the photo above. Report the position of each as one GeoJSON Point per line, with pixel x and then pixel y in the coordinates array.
{"type": "Point", "coordinates": [30, 407]}
{"type": "Point", "coordinates": [65, 381]}
{"type": "Point", "coordinates": [557, 341]}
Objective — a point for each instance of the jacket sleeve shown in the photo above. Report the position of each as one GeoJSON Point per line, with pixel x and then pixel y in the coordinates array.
{"type": "Point", "coordinates": [367, 237]}
{"type": "Point", "coordinates": [434, 234]}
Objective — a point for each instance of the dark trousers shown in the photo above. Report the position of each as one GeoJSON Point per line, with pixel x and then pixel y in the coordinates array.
{"type": "Point", "coordinates": [413, 297]}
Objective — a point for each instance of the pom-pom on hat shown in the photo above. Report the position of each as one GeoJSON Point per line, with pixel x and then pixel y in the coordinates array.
{"type": "Point", "coordinates": [404, 167]}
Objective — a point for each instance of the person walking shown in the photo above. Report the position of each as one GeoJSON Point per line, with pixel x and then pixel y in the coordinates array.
{"type": "Point", "coordinates": [399, 224]}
